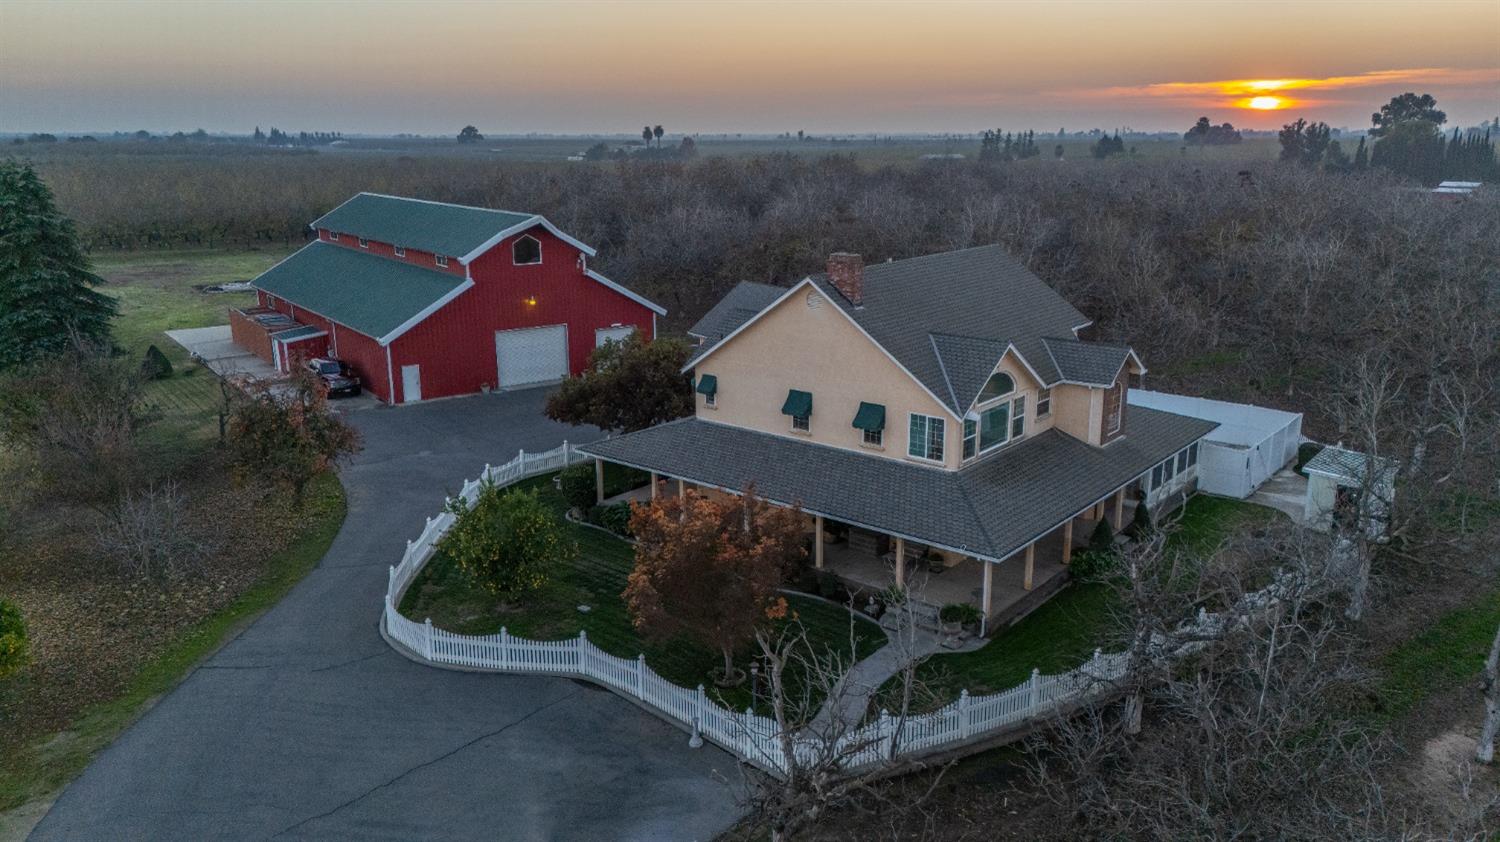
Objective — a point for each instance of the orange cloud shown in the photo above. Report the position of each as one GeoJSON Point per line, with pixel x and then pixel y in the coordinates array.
{"type": "Point", "coordinates": [1219, 90]}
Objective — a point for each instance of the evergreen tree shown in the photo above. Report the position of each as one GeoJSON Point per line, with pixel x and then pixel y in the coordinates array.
{"type": "Point", "coordinates": [1361, 157]}
{"type": "Point", "coordinates": [45, 280]}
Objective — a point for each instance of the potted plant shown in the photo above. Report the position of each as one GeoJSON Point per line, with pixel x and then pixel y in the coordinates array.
{"type": "Point", "coordinates": [958, 618]}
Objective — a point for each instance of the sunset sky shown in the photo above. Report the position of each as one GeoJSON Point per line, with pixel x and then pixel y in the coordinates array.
{"type": "Point", "coordinates": [707, 67]}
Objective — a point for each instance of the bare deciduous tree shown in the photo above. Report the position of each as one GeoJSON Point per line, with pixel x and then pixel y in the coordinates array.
{"type": "Point", "coordinates": [146, 533]}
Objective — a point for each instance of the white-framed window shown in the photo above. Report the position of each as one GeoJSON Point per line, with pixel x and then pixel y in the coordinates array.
{"type": "Point", "coordinates": [1043, 402]}
{"type": "Point", "coordinates": [1156, 479]}
{"type": "Point", "coordinates": [1169, 468]}
{"type": "Point", "coordinates": [526, 251]}
{"type": "Point", "coordinates": [801, 423]}
{"type": "Point", "coordinates": [1018, 417]}
{"type": "Point", "coordinates": [711, 399]}
{"type": "Point", "coordinates": [364, 243]}
{"type": "Point", "coordinates": [1182, 461]}
{"type": "Point", "coordinates": [400, 251]}
{"type": "Point", "coordinates": [1117, 417]}
{"type": "Point", "coordinates": [442, 259]}
{"type": "Point", "coordinates": [971, 438]}
{"type": "Point", "coordinates": [924, 438]}
{"type": "Point", "coordinates": [1192, 453]}
{"type": "Point", "coordinates": [874, 438]}
{"type": "Point", "coordinates": [333, 235]}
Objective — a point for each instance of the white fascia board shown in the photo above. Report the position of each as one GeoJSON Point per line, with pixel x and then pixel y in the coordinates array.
{"type": "Point", "coordinates": [425, 312]}
{"type": "Point", "coordinates": [535, 220]}
{"type": "Point", "coordinates": [639, 299]}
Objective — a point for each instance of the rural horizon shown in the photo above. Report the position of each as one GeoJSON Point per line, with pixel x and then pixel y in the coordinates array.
{"type": "Point", "coordinates": [733, 69]}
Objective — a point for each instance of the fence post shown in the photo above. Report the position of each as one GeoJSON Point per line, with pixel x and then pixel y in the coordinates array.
{"type": "Point", "coordinates": [1035, 694]}
{"type": "Point", "coordinates": [887, 735]}
{"type": "Point", "coordinates": [504, 649]}
{"type": "Point", "coordinates": [567, 454]}
{"type": "Point", "coordinates": [748, 741]}
{"type": "Point", "coordinates": [390, 582]}
{"type": "Point", "coordinates": [583, 650]}
{"type": "Point", "coordinates": [696, 741]}
{"type": "Point", "coordinates": [964, 726]}
{"type": "Point", "coordinates": [640, 677]}
{"type": "Point", "coordinates": [427, 639]}
{"type": "Point", "coordinates": [521, 461]}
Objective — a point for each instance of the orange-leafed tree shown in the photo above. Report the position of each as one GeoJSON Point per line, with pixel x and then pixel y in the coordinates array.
{"type": "Point", "coordinates": [709, 569]}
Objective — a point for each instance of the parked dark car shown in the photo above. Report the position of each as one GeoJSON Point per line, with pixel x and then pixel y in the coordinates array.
{"type": "Point", "coordinates": [336, 375]}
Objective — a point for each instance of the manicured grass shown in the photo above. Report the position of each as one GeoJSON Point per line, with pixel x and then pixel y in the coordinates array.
{"type": "Point", "coordinates": [1065, 631]}
{"type": "Point", "coordinates": [1450, 652]}
{"type": "Point", "coordinates": [596, 580]}
{"type": "Point", "coordinates": [155, 291]}
{"type": "Point", "coordinates": [41, 769]}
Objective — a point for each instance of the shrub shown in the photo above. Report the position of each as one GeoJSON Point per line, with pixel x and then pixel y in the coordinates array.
{"type": "Point", "coordinates": [614, 517]}
{"type": "Point", "coordinates": [577, 485]}
{"type": "Point", "coordinates": [1102, 539]}
{"type": "Point", "coordinates": [145, 532]}
{"type": "Point", "coordinates": [1140, 525]}
{"type": "Point", "coordinates": [830, 588]}
{"type": "Point", "coordinates": [155, 365]}
{"type": "Point", "coordinates": [960, 612]}
{"type": "Point", "coordinates": [289, 437]}
{"type": "Point", "coordinates": [1093, 565]}
{"type": "Point", "coordinates": [1305, 452]}
{"type": "Point", "coordinates": [506, 541]}
{"type": "Point", "coordinates": [14, 647]}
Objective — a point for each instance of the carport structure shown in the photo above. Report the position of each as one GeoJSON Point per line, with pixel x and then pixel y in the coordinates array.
{"type": "Point", "coordinates": [1250, 444]}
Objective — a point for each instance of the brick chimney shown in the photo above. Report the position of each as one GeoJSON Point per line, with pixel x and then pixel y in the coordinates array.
{"type": "Point", "coordinates": [847, 274]}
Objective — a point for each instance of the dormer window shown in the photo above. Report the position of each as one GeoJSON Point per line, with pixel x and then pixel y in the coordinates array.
{"type": "Point", "coordinates": [526, 251]}
{"type": "Point", "coordinates": [400, 251]}
{"type": "Point", "coordinates": [1043, 402]}
{"type": "Point", "coordinates": [442, 259]}
{"type": "Point", "coordinates": [999, 385]}
{"type": "Point", "coordinates": [363, 243]}
{"type": "Point", "coordinates": [333, 236]}
{"type": "Point", "coordinates": [998, 419]}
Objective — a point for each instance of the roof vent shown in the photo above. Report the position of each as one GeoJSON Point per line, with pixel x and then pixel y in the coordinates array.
{"type": "Point", "coordinates": [846, 272]}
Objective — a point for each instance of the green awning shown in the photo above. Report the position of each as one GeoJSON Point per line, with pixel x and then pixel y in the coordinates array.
{"type": "Point", "coordinates": [708, 384]}
{"type": "Point", "coordinates": [870, 417]}
{"type": "Point", "coordinates": [798, 404]}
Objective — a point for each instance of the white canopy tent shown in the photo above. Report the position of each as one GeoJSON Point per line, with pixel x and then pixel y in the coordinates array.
{"type": "Point", "coordinates": [1250, 444]}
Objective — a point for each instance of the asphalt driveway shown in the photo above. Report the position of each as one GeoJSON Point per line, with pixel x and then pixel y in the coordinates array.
{"type": "Point", "coordinates": [308, 725]}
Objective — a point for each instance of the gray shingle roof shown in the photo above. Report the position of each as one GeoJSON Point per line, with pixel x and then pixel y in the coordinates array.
{"type": "Point", "coordinates": [371, 294]}
{"type": "Point", "coordinates": [452, 230]}
{"type": "Point", "coordinates": [978, 293]}
{"type": "Point", "coordinates": [1094, 363]}
{"type": "Point", "coordinates": [967, 364]}
{"type": "Point", "coordinates": [734, 309]}
{"type": "Point", "coordinates": [989, 509]}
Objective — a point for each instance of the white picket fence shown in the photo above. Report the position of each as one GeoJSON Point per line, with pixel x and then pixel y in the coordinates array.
{"type": "Point", "coordinates": [752, 738]}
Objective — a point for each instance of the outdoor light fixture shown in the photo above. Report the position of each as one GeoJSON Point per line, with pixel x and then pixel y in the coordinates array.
{"type": "Point", "coordinates": [531, 301]}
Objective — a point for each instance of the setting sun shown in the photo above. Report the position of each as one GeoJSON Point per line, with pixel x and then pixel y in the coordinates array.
{"type": "Point", "coordinates": [1265, 103]}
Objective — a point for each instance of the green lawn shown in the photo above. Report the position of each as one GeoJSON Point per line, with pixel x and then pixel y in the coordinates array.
{"type": "Point", "coordinates": [35, 771]}
{"type": "Point", "coordinates": [1450, 652]}
{"type": "Point", "coordinates": [596, 580]}
{"type": "Point", "coordinates": [157, 291]}
{"type": "Point", "coordinates": [1065, 631]}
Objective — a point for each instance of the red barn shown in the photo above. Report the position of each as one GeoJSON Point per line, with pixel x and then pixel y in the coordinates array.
{"type": "Point", "coordinates": [429, 300]}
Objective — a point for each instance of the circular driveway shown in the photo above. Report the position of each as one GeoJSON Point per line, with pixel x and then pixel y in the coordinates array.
{"type": "Point", "coordinates": [308, 725]}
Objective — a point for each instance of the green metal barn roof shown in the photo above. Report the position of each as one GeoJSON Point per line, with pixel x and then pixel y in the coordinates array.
{"type": "Point", "coordinates": [457, 231]}
{"type": "Point", "coordinates": [371, 294]}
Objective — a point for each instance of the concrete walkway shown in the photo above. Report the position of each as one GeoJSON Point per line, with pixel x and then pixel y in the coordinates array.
{"type": "Point", "coordinates": [1285, 491]}
{"type": "Point", "coordinates": [217, 350]}
{"type": "Point", "coordinates": [848, 704]}
{"type": "Point", "coordinates": [309, 726]}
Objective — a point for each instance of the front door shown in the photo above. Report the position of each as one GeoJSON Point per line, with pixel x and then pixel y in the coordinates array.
{"type": "Point", "coordinates": [411, 383]}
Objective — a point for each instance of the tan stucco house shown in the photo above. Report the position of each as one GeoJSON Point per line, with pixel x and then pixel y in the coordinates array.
{"type": "Point", "coordinates": [938, 418]}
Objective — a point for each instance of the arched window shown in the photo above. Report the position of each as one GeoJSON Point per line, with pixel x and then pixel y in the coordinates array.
{"type": "Point", "coordinates": [998, 385]}
{"type": "Point", "coordinates": [527, 250]}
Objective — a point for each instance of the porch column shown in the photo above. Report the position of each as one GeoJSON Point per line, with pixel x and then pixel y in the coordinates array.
{"type": "Point", "coordinates": [1030, 565]}
{"type": "Point", "coordinates": [1119, 509]}
{"type": "Point", "coordinates": [818, 541]}
{"type": "Point", "coordinates": [599, 481]}
{"type": "Point", "coordinates": [989, 571]}
{"type": "Point", "coordinates": [900, 562]}
{"type": "Point", "coordinates": [1068, 541]}
{"type": "Point", "coordinates": [681, 488]}
{"type": "Point", "coordinates": [655, 491]}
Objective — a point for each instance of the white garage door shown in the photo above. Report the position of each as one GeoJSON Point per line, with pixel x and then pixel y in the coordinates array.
{"type": "Point", "coordinates": [531, 356]}
{"type": "Point", "coordinates": [612, 334]}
